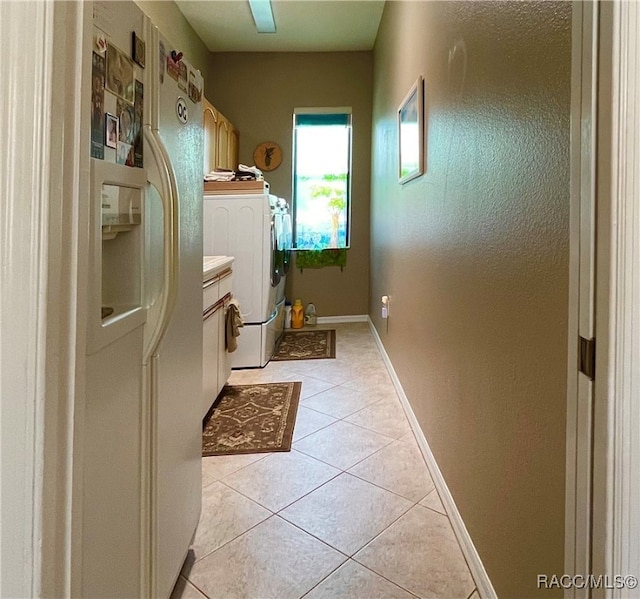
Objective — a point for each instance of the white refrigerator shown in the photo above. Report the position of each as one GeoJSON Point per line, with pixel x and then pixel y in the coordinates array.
{"type": "Point", "coordinates": [141, 454]}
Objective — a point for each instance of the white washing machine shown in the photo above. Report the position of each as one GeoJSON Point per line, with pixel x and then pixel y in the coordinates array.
{"type": "Point", "coordinates": [256, 230]}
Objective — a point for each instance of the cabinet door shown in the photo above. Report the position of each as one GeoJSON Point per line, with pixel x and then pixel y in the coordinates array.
{"type": "Point", "coordinates": [210, 349]}
{"type": "Point", "coordinates": [223, 142]}
{"type": "Point", "coordinates": [234, 147]}
{"type": "Point", "coordinates": [224, 357]}
{"type": "Point", "coordinates": [210, 124]}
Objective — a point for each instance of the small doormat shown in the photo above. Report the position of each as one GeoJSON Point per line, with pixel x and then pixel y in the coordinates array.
{"type": "Point", "coordinates": [251, 419]}
{"type": "Point", "coordinates": [306, 345]}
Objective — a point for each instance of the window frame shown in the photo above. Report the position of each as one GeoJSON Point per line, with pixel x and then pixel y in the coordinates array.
{"type": "Point", "coordinates": [328, 110]}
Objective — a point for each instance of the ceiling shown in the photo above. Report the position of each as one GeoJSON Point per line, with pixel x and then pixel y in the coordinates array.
{"type": "Point", "coordinates": [301, 25]}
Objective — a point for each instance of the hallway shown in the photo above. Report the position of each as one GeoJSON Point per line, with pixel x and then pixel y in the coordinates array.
{"type": "Point", "coordinates": [351, 511]}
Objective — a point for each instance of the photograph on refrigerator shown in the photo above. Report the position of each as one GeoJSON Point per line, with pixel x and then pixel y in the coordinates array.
{"type": "Point", "coordinates": [112, 127]}
{"type": "Point", "coordinates": [173, 65]}
{"type": "Point", "coordinates": [127, 118]}
{"type": "Point", "coordinates": [195, 91]}
{"type": "Point", "coordinates": [124, 154]}
{"type": "Point", "coordinates": [138, 111]}
{"type": "Point", "coordinates": [119, 79]}
{"type": "Point", "coordinates": [97, 106]}
{"type": "Point", "coordinates": [182, 76]}
{"type": "Point", "coordinates": [137, 49]}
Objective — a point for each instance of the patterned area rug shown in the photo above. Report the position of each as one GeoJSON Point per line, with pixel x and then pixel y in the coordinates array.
{"type": "Point", "coordinates": [251, 419]}
{"type": "Point", "coordinates": [306, 345]}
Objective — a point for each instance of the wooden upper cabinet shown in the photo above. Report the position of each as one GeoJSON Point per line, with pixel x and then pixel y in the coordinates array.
{"type": "Point", "coordinates": [210, 124]}
{"type": "Point", "coordinates": [234, 148]}
{"type": "Point", "coordinates": [221, 140]}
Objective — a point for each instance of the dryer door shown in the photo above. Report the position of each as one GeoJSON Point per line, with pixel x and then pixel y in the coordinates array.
{"type": "Point", "coordinates": [281, 241]}
{"type": "Point", "coordinates": [276, 258]}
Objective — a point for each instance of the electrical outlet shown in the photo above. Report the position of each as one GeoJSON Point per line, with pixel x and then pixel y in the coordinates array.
{"type": "Point", "coordinates": [385, 312]}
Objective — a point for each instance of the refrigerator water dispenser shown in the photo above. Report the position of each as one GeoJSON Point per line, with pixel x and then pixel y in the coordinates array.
{"type": "Point", "coordinates": [121, 209]}
{"type": "Point", "coordinates": [121, 249]}
{"type": "Point", "coordinates": [116, 293]}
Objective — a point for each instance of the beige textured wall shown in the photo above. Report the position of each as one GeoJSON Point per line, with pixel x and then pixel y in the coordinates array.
{"type": "Point", "coordinates": [474, 255]}
{"type": "Point", "coordinates": [166, 16]}
{"type": "Point", "coordinates": [257, 92]}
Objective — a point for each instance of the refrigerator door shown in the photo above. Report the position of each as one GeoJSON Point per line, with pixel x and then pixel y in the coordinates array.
{"type": "Point", "coordinates": [141, 466]}
{"type": "Point", "coordinates": [176, 123]}
{"type": "Point", "coordinates": [113, 516]}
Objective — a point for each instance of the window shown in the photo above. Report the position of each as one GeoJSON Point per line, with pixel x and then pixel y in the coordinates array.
{"type": "Point", "coordinates": [321, 177]}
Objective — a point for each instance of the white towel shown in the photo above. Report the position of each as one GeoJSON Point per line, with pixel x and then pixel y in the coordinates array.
{"type": "Point", "coordinates": [220, 174]}
{"type": "Point", "coordinates": [251, 169]}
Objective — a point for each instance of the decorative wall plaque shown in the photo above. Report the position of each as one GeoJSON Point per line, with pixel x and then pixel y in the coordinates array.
{"type": "Point", "coordinates": [267, 156]}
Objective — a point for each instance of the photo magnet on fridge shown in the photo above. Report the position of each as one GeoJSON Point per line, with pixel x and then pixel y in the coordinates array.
{"type": "Point", "coordinates": [124, 154]}
{"type": "Point", "coordinates": [161, 65]}
{"type": "Point", "coordinates": [97, 106]}
{"type": "Point", "coordinates": [127, 121]}
{"type": "Point", "coordinates": [173, 68]}
{"type": "Point", "coordinates": [138, 111]}
{"type": "Point", "coordinates": [119, 79]}
{"type": "Point", "coordinates": [99, 42]}
{"type": "Point", "coordinates": [112, 130]}
{"type": "Point", "coordinates": [195, 92]}
{"type": "Point", "coordinates": [182, 76]}
{"type": "Point", "coordinates": [137, 49]}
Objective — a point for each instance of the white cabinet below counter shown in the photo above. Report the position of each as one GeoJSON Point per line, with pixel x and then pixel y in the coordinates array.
{"type": "Point", "coordinates": [216, 360]}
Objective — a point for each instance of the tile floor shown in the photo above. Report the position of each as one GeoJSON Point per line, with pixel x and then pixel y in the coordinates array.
{"type": "Point", "coordinates": [351, 512]}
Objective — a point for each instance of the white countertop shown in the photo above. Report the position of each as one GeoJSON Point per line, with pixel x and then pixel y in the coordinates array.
{"type": "Point", "coordinates": [213, 265]}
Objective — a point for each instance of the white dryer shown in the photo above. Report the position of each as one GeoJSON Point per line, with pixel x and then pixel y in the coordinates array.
{"type": "Point", "coordinates": [253, 229]}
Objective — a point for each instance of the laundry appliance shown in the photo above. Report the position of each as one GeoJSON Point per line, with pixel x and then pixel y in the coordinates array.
{"type": "Point", "coordinates": [140, 474]}
{"type": "Point", "coordinates": [255, 228]}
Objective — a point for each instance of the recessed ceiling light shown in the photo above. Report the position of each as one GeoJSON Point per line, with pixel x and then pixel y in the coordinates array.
{"type": "Point", "coordinates": [263, 16]}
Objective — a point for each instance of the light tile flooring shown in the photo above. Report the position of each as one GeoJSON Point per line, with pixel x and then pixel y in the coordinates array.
{"type": "Point", "coordinates": [351, 512]}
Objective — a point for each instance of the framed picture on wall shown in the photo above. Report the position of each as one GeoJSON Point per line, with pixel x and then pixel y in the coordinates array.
{"type": "Point", "coordinates": [411, 133]}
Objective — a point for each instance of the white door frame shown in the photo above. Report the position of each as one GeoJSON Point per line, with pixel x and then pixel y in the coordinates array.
{"type": "Point", "coordinates": [584, 121]}
{"type": "Point", "coordinates": [23, 260]}
{"type": "Point", "coordinates": [616, 499]}
{"type": "Point", "coordinates": [43, 253]}
{"type": "Point", "coordinates": [603, 418]}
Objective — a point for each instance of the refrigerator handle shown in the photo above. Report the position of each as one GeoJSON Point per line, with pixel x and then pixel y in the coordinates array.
{"type": "Point", "coordinates": [171, 222]}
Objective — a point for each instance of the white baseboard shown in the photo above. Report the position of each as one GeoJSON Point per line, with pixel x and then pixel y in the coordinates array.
{"type": "Point", "coordinates": [480, 577]}
{"type": "Point", "coordinates": [340, 319]}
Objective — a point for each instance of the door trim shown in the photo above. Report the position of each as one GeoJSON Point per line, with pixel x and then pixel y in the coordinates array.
{"type": "Point", "coordinates": [43, 235]}
{"type": "Point", "coordinates": [611, 545]}
{"type": "Point", "coordinates": [616, 517]}
{"type": "Point", "coordinates": [25, 186]}
{"type": "Point", "coordinates": [584, 122]}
